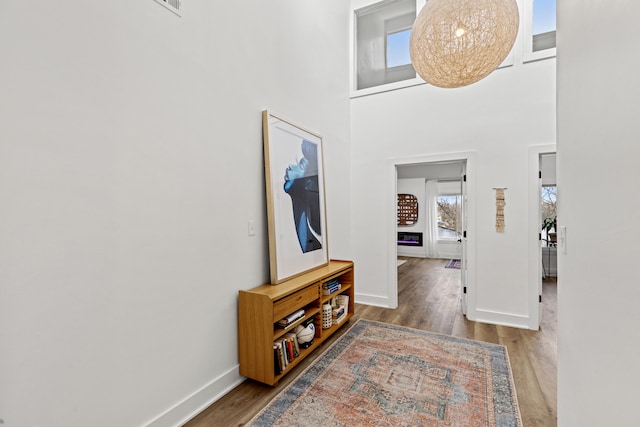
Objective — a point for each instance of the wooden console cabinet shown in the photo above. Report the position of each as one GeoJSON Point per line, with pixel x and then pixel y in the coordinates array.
{"type": "Point", "coordinates": [259, 310]}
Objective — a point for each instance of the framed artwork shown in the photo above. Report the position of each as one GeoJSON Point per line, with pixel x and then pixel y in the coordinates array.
{"type": "Point", "coordinates": [294, 172]}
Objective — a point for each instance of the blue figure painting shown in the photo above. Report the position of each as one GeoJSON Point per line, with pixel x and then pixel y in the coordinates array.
{"type": "Point", "coordinates": [301, 184]}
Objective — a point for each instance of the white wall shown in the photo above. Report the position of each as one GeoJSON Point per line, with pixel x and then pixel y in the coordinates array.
{"type": "Point", "coordinates": [598, 134]}
{"type": "Point", "coordinates": [497, 118]}
{"type": "Point", "coordinates": [415, 186]}
{"type": "Point", "coordinates": [130, 162]}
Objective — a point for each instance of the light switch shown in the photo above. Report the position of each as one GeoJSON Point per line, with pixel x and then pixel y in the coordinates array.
{"type": "Point", "coordinates": [252, 228]}
{"type": "Point", "coordinates": [562, 238]}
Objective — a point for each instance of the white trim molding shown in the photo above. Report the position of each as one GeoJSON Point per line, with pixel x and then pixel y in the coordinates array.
{"type": "Point", "coordinates": [535, 254]}
{"type": "Point", "coordinates": [192, 405]}
{"type": "Point", "coordinates": [503, 319]}
{"type": "Point", "coordinates": [375, 300]}
{"type": "Point", "coordinates": [392, 248]}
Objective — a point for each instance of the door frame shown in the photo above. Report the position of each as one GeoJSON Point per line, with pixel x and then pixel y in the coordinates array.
{"type": "Point", "coordinates": [535, 252]}
{"type": "Point", "coordinates": [469, 157]}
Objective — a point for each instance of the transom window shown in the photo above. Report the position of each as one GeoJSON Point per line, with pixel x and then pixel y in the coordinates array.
{"type": "Point", "coordinates": [539, 29]}
{"type": "Point", "coordinates": [381, 46]}
{"type": "Point", "coordinates": [398, 48]}
{"type": "Point", "coordinates": [543, 25]}
{"type": "Point", "coordinates": [381, 32]}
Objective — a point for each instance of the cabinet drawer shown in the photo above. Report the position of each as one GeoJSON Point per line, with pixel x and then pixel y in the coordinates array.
{"type": "Point", "coordinates": [293, 302]}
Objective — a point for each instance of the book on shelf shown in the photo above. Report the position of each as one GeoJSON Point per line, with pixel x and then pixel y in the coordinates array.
{"type": "Point", "coordinates": [342, 300]}
{"type": "Point", "coordinates": [336, 313]}
{"type": "Point", "coordinates": [283, 323]}
{"type": "Point", "coordinates": [294, 339]}
{"type": "Point", "coordinates": [339, 312]}
{"type": "Point", "coordinates": [331, 282]}
{"type": "Point", "coordinates": [338, 320]}
{"type": "Point", "coordinates": [331, 290]}
{"type": "Point", "coordinates": [290, 353]}
{"type": "Point", "coordinates": [278, 361]}
{"type": "Point", "coordinates": [330, 287]}
{"type": "Point", "coordinates": [282, 357]}
{"type": "Point", "coordinates": [285, 350]}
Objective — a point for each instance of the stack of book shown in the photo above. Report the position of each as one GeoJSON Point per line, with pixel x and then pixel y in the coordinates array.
{"type": "Point", "coordinates": [340, 309]}
{"type": "Point", "coordinates": [285, 350]}
{"type": "Point", "coordinates": [283, 323]}
{"type": "Point", "coordinates": [342, 300]}
{"type": "Point", "coordinates": [330, 287]}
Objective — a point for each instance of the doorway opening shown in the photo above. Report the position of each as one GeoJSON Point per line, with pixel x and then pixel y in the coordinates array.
{"type": "Point", "coordinates": [548, 199]}
{"type": "Point", "coordinates": [542, 243]}
{"type": "Point", "coordinates": [548, 216]}
{"type": "Point", "coordinates": [437, 228]}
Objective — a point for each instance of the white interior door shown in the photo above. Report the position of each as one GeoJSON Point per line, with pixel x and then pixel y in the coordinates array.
{"type": "Point", "coordinates": [546, 179]}
{"type": "Point", "coordinates": [541, 262]}
{"type": "Point", "coordinates": [463, 213]}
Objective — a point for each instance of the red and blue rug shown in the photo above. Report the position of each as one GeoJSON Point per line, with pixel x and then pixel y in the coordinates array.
{"type": "Point", "coordinates": [385, 375]}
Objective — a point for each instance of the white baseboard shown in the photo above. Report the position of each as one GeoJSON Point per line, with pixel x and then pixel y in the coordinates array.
{"type": "Point", "coordinates": [502, 319]}
{"type": "Point", "coordinates": [192, 405]}
{"type": "Point", "coordinates": [374, 300]}
{"type": "Point", "coordinates": [411, 254]}
{"type": "Point", "coordinates": [449, 255]}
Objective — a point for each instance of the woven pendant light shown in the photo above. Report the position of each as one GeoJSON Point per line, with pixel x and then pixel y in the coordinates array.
{"type": "Point", "coordinates": [457, 42]}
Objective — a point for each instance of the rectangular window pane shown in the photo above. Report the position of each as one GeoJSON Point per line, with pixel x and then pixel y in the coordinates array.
{"type": "Point", "coordinates": [544, 24]}
{"type": "Point", "coordinates": [448, 215]}
{"type": "Point", "coordinates": [398, 49]}
{"type": "Point", "coordinates": [544, 16]}
{"type": "Point", "coordinates": [382, 44]}
{"type": "Point", "coordinates": [549, 215]}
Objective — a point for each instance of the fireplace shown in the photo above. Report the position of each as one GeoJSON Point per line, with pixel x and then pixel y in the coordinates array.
{"type": "Point", "coordinates": [406, 238]}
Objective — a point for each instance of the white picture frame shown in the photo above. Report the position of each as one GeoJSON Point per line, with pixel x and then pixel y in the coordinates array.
{"type": "Point", "coordinates": [296, 213]}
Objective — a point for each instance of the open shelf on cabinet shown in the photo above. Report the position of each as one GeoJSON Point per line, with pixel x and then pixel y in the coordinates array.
{"type": "Point", "coordinates": [279, 332]}
{"type": "Point", "coordinates": [259, 310]}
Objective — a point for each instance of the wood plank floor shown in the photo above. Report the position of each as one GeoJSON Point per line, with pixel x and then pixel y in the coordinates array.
{"type": "Point", "coordinates": [429, 299]}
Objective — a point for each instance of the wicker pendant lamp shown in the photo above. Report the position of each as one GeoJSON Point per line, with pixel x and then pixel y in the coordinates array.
{"type": "Point", "coordinates": [457, 42]}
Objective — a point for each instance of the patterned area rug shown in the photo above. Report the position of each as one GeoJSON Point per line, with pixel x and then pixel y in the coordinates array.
{"type": "Point", "coordinates": [454, 263]}
{"type": "Point", "coordinates": [384, 375]}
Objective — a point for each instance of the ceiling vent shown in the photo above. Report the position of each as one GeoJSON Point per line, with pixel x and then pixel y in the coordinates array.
{"type": "Point", "coordinates": [172, 5]}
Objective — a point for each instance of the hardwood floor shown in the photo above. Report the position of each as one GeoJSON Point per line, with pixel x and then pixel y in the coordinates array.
{"type": "Point", "coordinates": [429, 299]}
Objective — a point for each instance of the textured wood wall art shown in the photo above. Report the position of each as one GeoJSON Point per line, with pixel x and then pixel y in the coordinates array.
{"type": "Point", "coordinates": [407, 209]}
{"type": "Point", "coordinates": [500, 204]}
